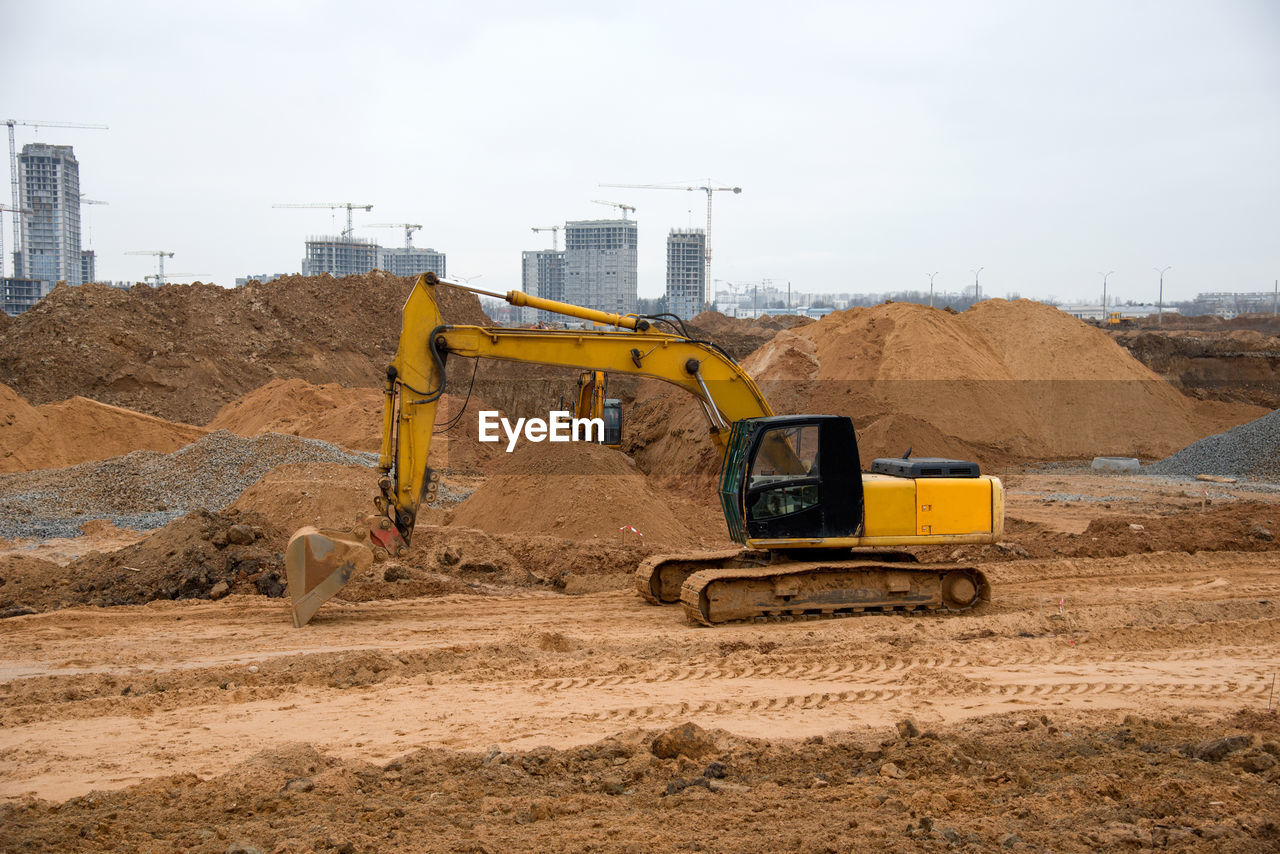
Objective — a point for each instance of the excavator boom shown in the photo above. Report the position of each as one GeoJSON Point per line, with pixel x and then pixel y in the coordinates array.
{"type": "Point", "coordinates": [791, 487]}
{"type": "Point", "coordinates": [319, 562]}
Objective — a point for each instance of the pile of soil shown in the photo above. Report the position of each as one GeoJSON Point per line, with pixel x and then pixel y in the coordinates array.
{"type": "Point", "coordinates": [324, 495]}
{"type": "Point", "coordinates": [449, 560]}
{"type": "Point", "coordinates": [1266, 323]}
{"type": "Point", "coordinates": [181, 351]}
{"type": "Point", "coordinates": [203, 555]}
{"type": "Point", "coordinates": [739, 336]}
{"type": "Point", "coordinates": [1239, 366]}
{"type": "Point", "coordinates": [1002, 383]}
{"type": "Point", "coordinates": [586, 492]}
{"type": "Point", "coordinates": [1238, 527]}
{"type": "Point", "coordinates": [352, 418]}
{"type": "Point", "coordinates": [1062, 781]}
{"type": "Point", "coordinates": [78, 430]}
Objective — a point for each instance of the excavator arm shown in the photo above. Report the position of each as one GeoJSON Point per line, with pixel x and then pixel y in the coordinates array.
{"type": "Point", "coordinates": [319, 562]}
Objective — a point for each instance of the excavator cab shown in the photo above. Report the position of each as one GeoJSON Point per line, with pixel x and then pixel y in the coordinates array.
{"type": "Point", "coordinates": [792, 477]}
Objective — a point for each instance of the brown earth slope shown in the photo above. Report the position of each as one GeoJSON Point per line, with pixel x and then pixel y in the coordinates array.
{"type": "Point", "coordinates": [181, 351]}
{"type": "Point", "coordinates": [1005, 382]}
{"type": "Point", "coordinates": [352, 418]}
{"type": "Point", "coordinates": [585, 492]}
{"type": "Point", "coordinates": [79, 430]}
{"type": "Point", "coordinates": [1240, 365]}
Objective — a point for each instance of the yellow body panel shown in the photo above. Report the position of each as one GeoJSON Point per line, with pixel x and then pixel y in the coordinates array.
{"type": "Point", "coordinates": [889, 506]}
{"type": "Point", "coordinates": [953, 505]}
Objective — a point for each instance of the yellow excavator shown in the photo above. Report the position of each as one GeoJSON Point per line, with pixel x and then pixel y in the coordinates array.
{"type": "Point", "coordinates": [592, 404]}
{"type": "Point", "coordinates": [819, 537]}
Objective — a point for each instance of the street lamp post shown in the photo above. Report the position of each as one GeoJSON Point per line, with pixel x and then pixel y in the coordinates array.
{"type": "Point", "coordinates": [1160, 299]}
{"type": "Point", "coordinates": [931, 275]}
{"type": "Point", "coordinates": [1104, 292]}
{"type": "Point", "coordinates": [977, 291]}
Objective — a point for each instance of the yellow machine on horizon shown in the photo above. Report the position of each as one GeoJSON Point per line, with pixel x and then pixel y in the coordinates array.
{"type": "Point", "coordinates": [818, 536]}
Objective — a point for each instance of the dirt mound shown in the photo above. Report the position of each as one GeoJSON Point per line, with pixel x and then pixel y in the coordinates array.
{"type": "Point", "coordinates": [1266, 323]}
{"type": "Point", "coordinates": [352, 418]}
{"type": "Point", "coordinates": [739, 335]}
{"type": "Point", "coordinates": [1238, 366]}
{"type": "Point", "coordinates": [200, 556]}
{"type": "Point", "coordinates": [79, 430]}
{"type": "Point", "coordinates": [1238, 527]}
{"type": "Point", "coordinates": [326, 495]}
{"type": "Point", "coordinates": [581, 491]}
{"type": "Point", "coordinates": [181, 351]}
{"type": "Point", "coordinates": [1070, 776]}
{"type": "Point", "coordinates": [147, 489]}
{"type": "Point", "coordinates": [1004, 382]}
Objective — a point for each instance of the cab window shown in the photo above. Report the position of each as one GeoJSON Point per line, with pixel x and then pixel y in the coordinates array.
{"type": "Point", "coordinates": [783, 473]}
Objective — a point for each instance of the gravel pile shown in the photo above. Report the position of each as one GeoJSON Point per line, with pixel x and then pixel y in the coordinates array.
{"type": "Point", "coordinates": [147, 489]}
{"type": "Point", "coordinates": [1250, 451]}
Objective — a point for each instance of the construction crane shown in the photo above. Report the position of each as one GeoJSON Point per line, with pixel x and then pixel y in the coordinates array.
{"type": "Point", "coordinates": [16, 212]}
{"type": "Point", "coordinates": [555, 235]}
{"type": "Point", "coordinates": [88, 224]}
{"type": "Point", "coordinates": [160, 256]}
{"type": "Point", "coordinates": [709, 188]}
{"type": "Point", "coordinates": [619, 205]}
{"type": "Point", "coordinates": [13, 167]}
{"type": "Point", "coordinates": [350, 206]}
{"type": "Point", "coordinates": [409, 229]}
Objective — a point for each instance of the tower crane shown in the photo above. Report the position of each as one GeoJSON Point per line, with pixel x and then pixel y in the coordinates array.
{"type": "Point", "coordinates": [160, 256]}
{"type": "Point", "coordinates": [13, 167]}
{"type": "Point", "coordinates": [350, 206]}
{"type": "Point", "coordinates": [709, 188]}
{"type": "Point", "coordinates": [85, 201]}
{"type": "Point", "coordinates": [555, 235]}
{"type": "Point", "coordinates": [409, 229]}
{"type": "Point", "coordinates": [619, 205]}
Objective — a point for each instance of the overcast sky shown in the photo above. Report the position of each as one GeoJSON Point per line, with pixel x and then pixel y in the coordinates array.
{"type": "Point", "coordinates": [875, 143]}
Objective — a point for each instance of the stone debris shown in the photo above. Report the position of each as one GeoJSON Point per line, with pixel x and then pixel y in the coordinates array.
{"type": "Point", "coordinates": [147, 489]}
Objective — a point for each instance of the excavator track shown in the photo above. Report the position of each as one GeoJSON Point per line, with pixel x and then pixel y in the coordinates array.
{"type": "Point", "coordinates": [660, 577]}
{"type": "Point", "coordinates": [811, 591]}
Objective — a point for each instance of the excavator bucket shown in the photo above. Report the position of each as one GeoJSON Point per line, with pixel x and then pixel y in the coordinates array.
{"type": "Point", "coordinates": [317, 564]}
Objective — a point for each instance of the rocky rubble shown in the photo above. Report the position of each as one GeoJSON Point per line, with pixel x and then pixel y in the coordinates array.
{"type": "Point", "coordinates": [147, 489]}
{"type": "Point", "coordinates": [1250, 451]}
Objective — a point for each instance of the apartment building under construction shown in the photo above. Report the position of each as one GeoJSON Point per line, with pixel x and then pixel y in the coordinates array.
{"type": "Point", "coordinates": [339, 256]}
{"type": "Point", "coordinates": [686, 272]}
{"type": "Point", "coordinates": [600, 266]}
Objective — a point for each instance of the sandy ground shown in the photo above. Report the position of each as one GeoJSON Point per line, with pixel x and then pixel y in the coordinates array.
{"type": "Point", "coordinates": [103, 698]}
{"type": "Point", "coordinates": [1096, 704]}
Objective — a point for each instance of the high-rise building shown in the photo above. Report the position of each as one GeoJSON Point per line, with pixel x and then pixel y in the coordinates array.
{"type": "Point", "coordinates": [686, 272]}
{"type": "Point", "coordinates": [542, 275]}
{"type": "Point", "coordinates": [411, 261]}
{"type": "Point", "coordinates": [339, 256]}
{"type": "Point", "coordinates": [18, 295]}
{"type": "Point", "coordinates": [88, 266]}
{"type": "Point", "coordinates": [600, 264]}
{"type": "Point", "coordinates": [49, 187]}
